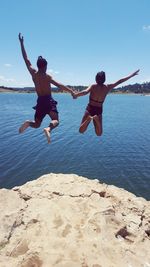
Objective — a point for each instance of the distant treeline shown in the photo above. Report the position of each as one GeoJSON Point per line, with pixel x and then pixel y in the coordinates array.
{"type": "Point", "coordinates": [136, 88]}
{"type": "Point", "coordinates": [16, 89]}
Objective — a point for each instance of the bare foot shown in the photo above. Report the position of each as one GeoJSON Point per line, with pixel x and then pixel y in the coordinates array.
{"type": "Point", "coordinates": [47, 133]}
{"type": "Point", "coordinates": [24, 126]}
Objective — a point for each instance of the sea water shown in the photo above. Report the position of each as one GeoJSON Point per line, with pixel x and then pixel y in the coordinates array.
{"type": "Point", "coordinates": [121, 156]}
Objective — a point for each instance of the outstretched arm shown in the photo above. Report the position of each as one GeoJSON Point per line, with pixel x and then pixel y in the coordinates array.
{"type": "Point", "coordinates": [24, 54]}
{"type": "Point", "coordinates": [111, 86]}
{"type": "Point", "coordinates": [62, 87]}
{"type": "Point", "coordinates": [84, 92]}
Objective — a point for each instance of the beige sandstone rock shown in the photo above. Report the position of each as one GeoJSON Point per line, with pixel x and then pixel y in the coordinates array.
{"type": "Point", "coordinates": [70, 221]}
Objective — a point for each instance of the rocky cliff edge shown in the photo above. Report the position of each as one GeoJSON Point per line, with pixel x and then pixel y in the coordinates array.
{"type": "Point", "coordinates": [65, 220]}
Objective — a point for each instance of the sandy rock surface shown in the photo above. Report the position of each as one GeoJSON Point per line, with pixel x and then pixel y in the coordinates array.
{"type": "Point", "coordinates": [65, 220]}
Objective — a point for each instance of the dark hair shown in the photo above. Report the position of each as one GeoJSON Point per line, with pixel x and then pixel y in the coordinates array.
{"type": "Point", "coordinates": [100, 77]}
{"type": "Point", "coordinates": [41, 62]}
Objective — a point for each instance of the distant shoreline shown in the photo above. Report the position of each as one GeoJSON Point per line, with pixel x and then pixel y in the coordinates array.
{"type": "Point", "coordinates": [20, 91]}
{"type": "Point", "coordinates": [7, 91]}
{"type": "Point", "coordinates": [136, 89]}
{"type": "Point", "coordinates": [14, 91]}
{"type": "Point", "coordinates": [130, 90]}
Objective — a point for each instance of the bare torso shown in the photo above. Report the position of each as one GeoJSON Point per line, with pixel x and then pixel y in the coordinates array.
{"type": "Point", "coordinates": [42, 83]}
{"type": "Point", "coordinates": [98, 94]}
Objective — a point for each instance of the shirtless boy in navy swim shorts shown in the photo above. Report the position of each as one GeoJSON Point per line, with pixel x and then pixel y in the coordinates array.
{"type": "Point", "coordinates": [45, 103]}
{"type": "Point", "coordinates": [98, 93]}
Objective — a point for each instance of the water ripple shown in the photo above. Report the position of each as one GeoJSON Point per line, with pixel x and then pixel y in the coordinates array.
{"type": "Point", "coordinates": [120, 157]}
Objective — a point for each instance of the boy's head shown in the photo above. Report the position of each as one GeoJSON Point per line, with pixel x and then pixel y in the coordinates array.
{"type": "Point", "coordinates": [41, 63]}
{"type": "Point", "coordinates": [100, 77]}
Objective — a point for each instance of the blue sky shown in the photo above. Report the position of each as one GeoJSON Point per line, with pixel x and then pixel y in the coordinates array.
{"type": "Point", "coordinates": [77, 37]}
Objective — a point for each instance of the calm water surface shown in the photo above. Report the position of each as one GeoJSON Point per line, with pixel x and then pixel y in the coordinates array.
{"type": "Point", "coordinates": [120, 157]}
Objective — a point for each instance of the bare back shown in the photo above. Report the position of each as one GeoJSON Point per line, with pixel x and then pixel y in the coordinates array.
{"type": "Point", "coordinates": [98, 94]}
{"type": "Point", "coordinates": [42, 83]}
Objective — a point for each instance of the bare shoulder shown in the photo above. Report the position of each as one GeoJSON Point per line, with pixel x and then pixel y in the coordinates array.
{"type": "Point", "coordinates": [108, 87]}
{"type": "Point", "coordinates": [33, 72]}
{"type": "Point", "coordinates": [49, 77]}
{"type": "Point", "coordinates": [92, 87]}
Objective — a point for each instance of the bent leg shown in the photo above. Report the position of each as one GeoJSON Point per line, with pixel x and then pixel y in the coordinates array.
{"type": "Point", "coordinates": [97, 120]}
{"type": "Point", "coordinates": [54, 123]}
{"type": "Point", "coordinates": [26, 124]}
{"type": "Point", "coordinates": [85, 122]}
{"type": "Point", "coordinates": [35, 124]}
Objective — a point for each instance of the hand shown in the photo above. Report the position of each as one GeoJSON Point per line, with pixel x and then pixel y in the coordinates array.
{"type": "Point", "coordinates": [135, 73]}
{"type": "Point", "coordinates": [20, 38]}
{"type": "Point", "coordinates": [74, 95]}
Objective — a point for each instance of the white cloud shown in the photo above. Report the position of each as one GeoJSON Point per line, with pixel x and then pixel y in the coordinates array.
{"type": "Point", "coordinates": [13, 82]}
{"type": "Point", "coordinates": [23, 84]}
{"type": "Point", "coordinates": [53, 71]}
{"type": "Point", "coordinates": [146, 28]}
{"type": "Point", "coordinates": [7, 80]}
{"type": "Point", "coordinates": [8, 65]}
{"type": "Point", "coordinates": [50, 71]}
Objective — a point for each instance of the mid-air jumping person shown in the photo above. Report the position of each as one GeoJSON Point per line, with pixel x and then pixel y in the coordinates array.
{"type": "Point", "coordinates": [98, 93]}
{"type": "Point", "coordinates": [45, 103]}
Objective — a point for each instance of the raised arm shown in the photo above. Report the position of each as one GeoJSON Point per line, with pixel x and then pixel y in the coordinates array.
{"type": "Point", "coordinates": [62, 87]}
{"type": "Point", "coordinates": [24, 54]}
{"type": "Point", "coordinates": [111, 86]}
